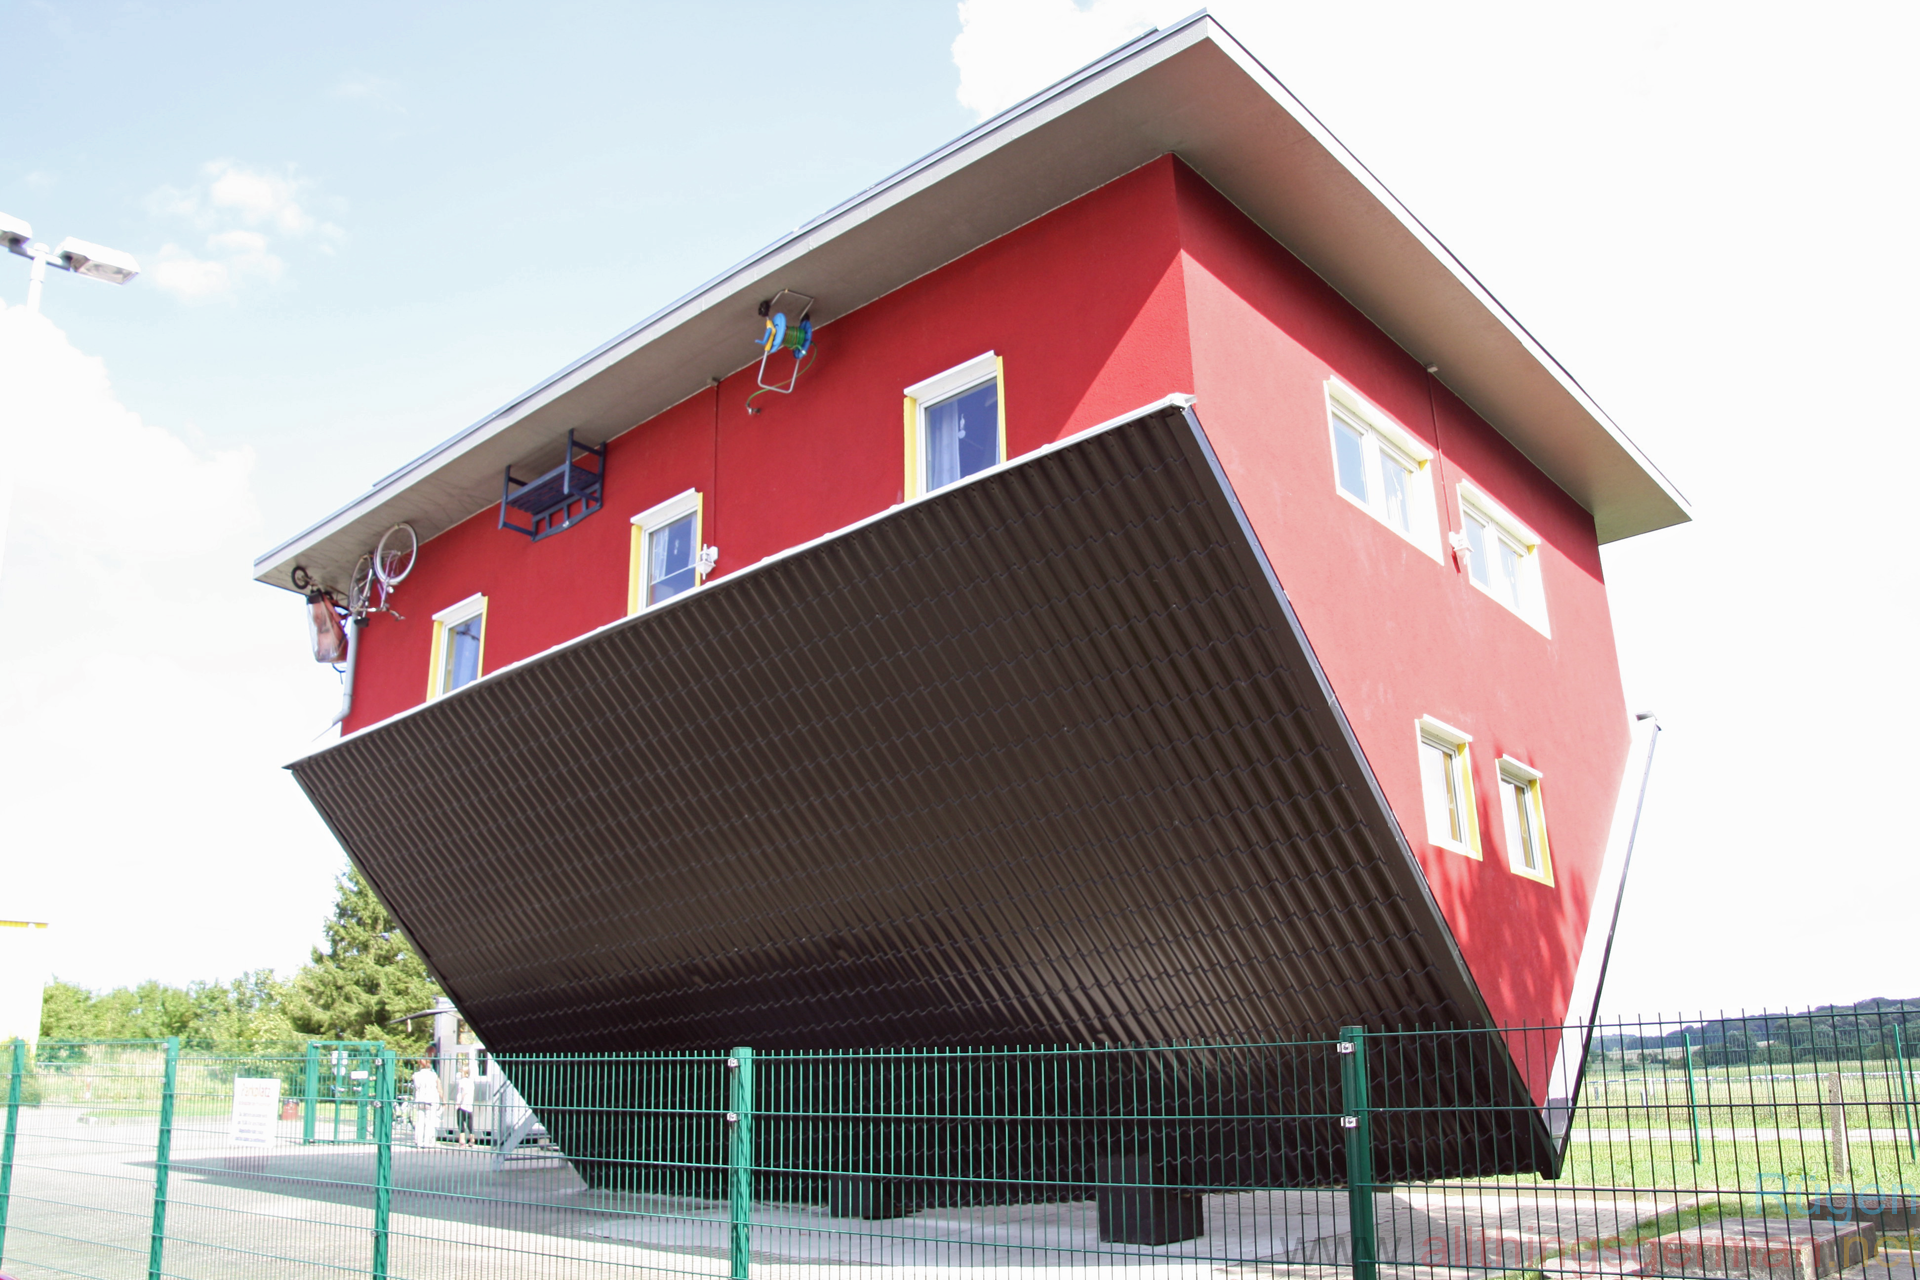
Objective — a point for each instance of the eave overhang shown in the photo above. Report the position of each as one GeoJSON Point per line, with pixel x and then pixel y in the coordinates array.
{"type": "Point", "coordinates": [1190, 90]}
{"type": "Point", "coordinates": [1044, 757]}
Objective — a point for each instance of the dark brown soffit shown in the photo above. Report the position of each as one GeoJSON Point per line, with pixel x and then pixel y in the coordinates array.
{"type": "Point", "coordinates": [1043, 758]}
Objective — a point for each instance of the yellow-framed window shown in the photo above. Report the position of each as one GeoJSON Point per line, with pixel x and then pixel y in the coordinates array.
{"type": "Point", "coordinates": [956, 424]}
{"type": "Point", "coordinates": [459, 653]}
{"type": "Point", "coordinates": [1446, 786]}
{"type": "Point", "coordinates": [1524, 814]}
{"type": "Point", "coordinates": [667, 554]}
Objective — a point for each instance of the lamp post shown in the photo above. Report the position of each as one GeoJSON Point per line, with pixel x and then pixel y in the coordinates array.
{"type": "Point", "coordinates": [78, 256]}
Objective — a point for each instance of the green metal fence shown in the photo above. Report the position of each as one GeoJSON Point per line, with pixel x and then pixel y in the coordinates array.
{"type": "Point", "coordinates": [1776, 1146]}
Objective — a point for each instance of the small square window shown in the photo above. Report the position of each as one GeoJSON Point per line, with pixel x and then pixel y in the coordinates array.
{"type": "Point", "coordinates": [1382, 468]}
{"type": "Point", "coordinates": [1525, 821]}
{"type": "Point", "coordinates": [667, 557]}
{"type": "Point", "coordinates": [1446, 787]}
{"type": "Point", "coordinates": [459, 646]}
{"type": "Point", "coordinates": [1503, 557]}
{"type": "Point", "coordinates": [671, 559]}
{"type": "Point", "coordinates": [1350, 456]}
{"type": "Point", "coordinates": [956, 425]}
{"type": "Point", "coordinates": [963, 435]}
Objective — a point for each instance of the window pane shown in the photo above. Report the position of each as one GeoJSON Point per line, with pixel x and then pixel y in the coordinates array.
{"type": "Point", "coordinates": [1350, 459]}
{"type": "Point", "coordinates": [1441, 791]}
{"type": "Point", "coordinates": [463, 654]}
{"type": "Point", "coordinates": [963, 435]}
{"type": "Point", "coordinates": [1394, 478]}
{"type": "Point", "coordinates": [1477, 550]}
{"type": "Point", "coordinates": [1529, 826]}
{"type": "Point", "coordinates": [670, 554]}
{"type": "Point", "coordinates": [1512, 803]}
{"type": "Point", "coordinates": [1516, 807]}
{"type": "Point", "coordinates": [1510, 559]}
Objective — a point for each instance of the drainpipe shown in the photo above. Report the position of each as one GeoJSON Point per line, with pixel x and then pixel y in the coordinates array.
{"type": "Point", "coordinates": [355, 626]}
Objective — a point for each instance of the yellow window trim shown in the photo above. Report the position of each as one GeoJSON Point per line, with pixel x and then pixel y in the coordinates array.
{"type": "Point", "coordinates": [915, 486]}
{"type": "Point", "coordinates": [455, 613]}
{"type": "Point", "coordinates": [688, 500]}
{"type": "Point", "coordinates": [911, 489]}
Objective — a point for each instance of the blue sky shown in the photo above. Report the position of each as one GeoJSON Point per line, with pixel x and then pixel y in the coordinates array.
{"type": "Point", "coordinates": [363, 227]}
{"type": "Point", "coordinates": [491, 190]}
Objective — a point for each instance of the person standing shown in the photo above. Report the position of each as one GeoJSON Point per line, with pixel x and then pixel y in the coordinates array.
{"type": "Point", "coordinates": [463, 1102]}
{"type": "Point", "coordinates": [426, 1104]}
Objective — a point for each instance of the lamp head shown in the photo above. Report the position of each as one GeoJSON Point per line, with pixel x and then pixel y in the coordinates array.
{"type": "Point", "coordinates": [98, 261]}
{"type": "Point", "coordinates": [16, 235]}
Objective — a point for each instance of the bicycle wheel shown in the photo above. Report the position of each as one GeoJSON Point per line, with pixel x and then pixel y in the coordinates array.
{"type": "Point", "coordinates": [301, 579]}
{"type": "Point", "coordinates": [393, 558]}
{"type": "Point", "coordinates": [360, 589]}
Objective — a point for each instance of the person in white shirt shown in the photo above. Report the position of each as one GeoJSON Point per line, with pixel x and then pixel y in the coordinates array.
{"type": "Point", "coordinates": [426, 1104]}
{"type": "Point", "coordinates": [463, 1103]}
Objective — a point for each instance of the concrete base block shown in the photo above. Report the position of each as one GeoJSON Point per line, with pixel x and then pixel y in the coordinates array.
{"type": "Point", "coordinates": [1890, 1212]}
{"type": "Point", "coordinates": [1136, 1207]}
{"type": "Point", "coordinates": [1761, 1249]}
{"type": "Point", "coordinates": [855, 1195]}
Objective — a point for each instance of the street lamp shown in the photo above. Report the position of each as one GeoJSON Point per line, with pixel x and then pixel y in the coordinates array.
{"type": "Point", "coordinates": [78, 256]}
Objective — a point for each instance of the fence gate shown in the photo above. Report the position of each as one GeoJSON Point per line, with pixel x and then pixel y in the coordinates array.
{"type": "Point", "coordinates": [339, 1091]}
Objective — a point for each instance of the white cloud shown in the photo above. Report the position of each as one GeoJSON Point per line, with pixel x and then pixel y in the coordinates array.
{"type": "Point", "coordinates": [247, 255]}
{"type": "Point", "coordinates": [149, 689]}
{"type": "Point", "coordinates": [369, 89]}
{"type": "Point", "coordinates": [258, 198]}
{"type": "Point", "coordinates": [238, 208]}
{"type": "Point", "coordinates": [1008, 49]}
{"type": "Point", "coordinates": [243, 256]}
{"type": "Point", "coordinates": [178, 272]}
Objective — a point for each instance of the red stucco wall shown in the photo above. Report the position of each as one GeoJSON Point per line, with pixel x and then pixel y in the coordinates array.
{"type": "Point", "coordinates": [1152, 284]}
{"type": "Point", "coordinates": [1400, 635]}
{"type": "Point", "coordinates": [1085, 306]}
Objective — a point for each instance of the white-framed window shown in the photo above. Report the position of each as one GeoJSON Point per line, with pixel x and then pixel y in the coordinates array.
{"type": "Point", "coordinates": [667, 556]}
{"type": "Point", "coordinates": [1525, 819]}
{"type": "Point", "coordinates": [1382, 468]}
{"type": "Point", "coordinates": [1446, 786]}
{"type": "Point", "coordinates": [956, 424]}
{"type": "Point", "coordinates": [459, 646]}
{"type": "Point", "coordinates": [1503, 556]}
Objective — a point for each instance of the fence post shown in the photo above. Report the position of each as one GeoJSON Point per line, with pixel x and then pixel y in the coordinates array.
{"type": "Point", "coordinates": [19, 1056]}
{"type": "Point", "coordinates": [739, 1161]}
{"type": "Point", "coordinates": [1358, 1124]}
{"type": "Point", "coordinates": [360, 1090]}
{"type": "Point", "coordinates": [383, 1105]}
{"type": "Point", "coordinates": [1838, 1113]}
{"type": "Point", "coordinates": [162, 1159]}
{"type": "Point", "coordinates": [311, 1104]}
{"type": "Point", "coordinates": [1693, 1113]}
{"type": "Point", "coordinates": [1906, 1099]}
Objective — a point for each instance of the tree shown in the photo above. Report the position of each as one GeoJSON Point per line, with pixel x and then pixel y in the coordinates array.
{"type": "Point", "coordinates": [249, 1012]}
{"type": "Point", "coordinates": [70, 1012]}
{"type": "Point", "coordinates": [368, 976]}
{"type": "Point", "coordinates": [243, 1014]}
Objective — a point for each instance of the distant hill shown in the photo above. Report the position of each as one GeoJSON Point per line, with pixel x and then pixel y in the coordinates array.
{"type": "Point", "coordinates": [1865, 1029]}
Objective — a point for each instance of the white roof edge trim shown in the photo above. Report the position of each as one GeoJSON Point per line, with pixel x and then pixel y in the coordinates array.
{"type": "Point", "coordinates": [764, 258]}
{"type": "Point", "coordinates": [1174, 399]}
{"type": "Point", "coordinates": [1438, 248]}
{"type": "Point", "coordinates": [1127, 60]}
